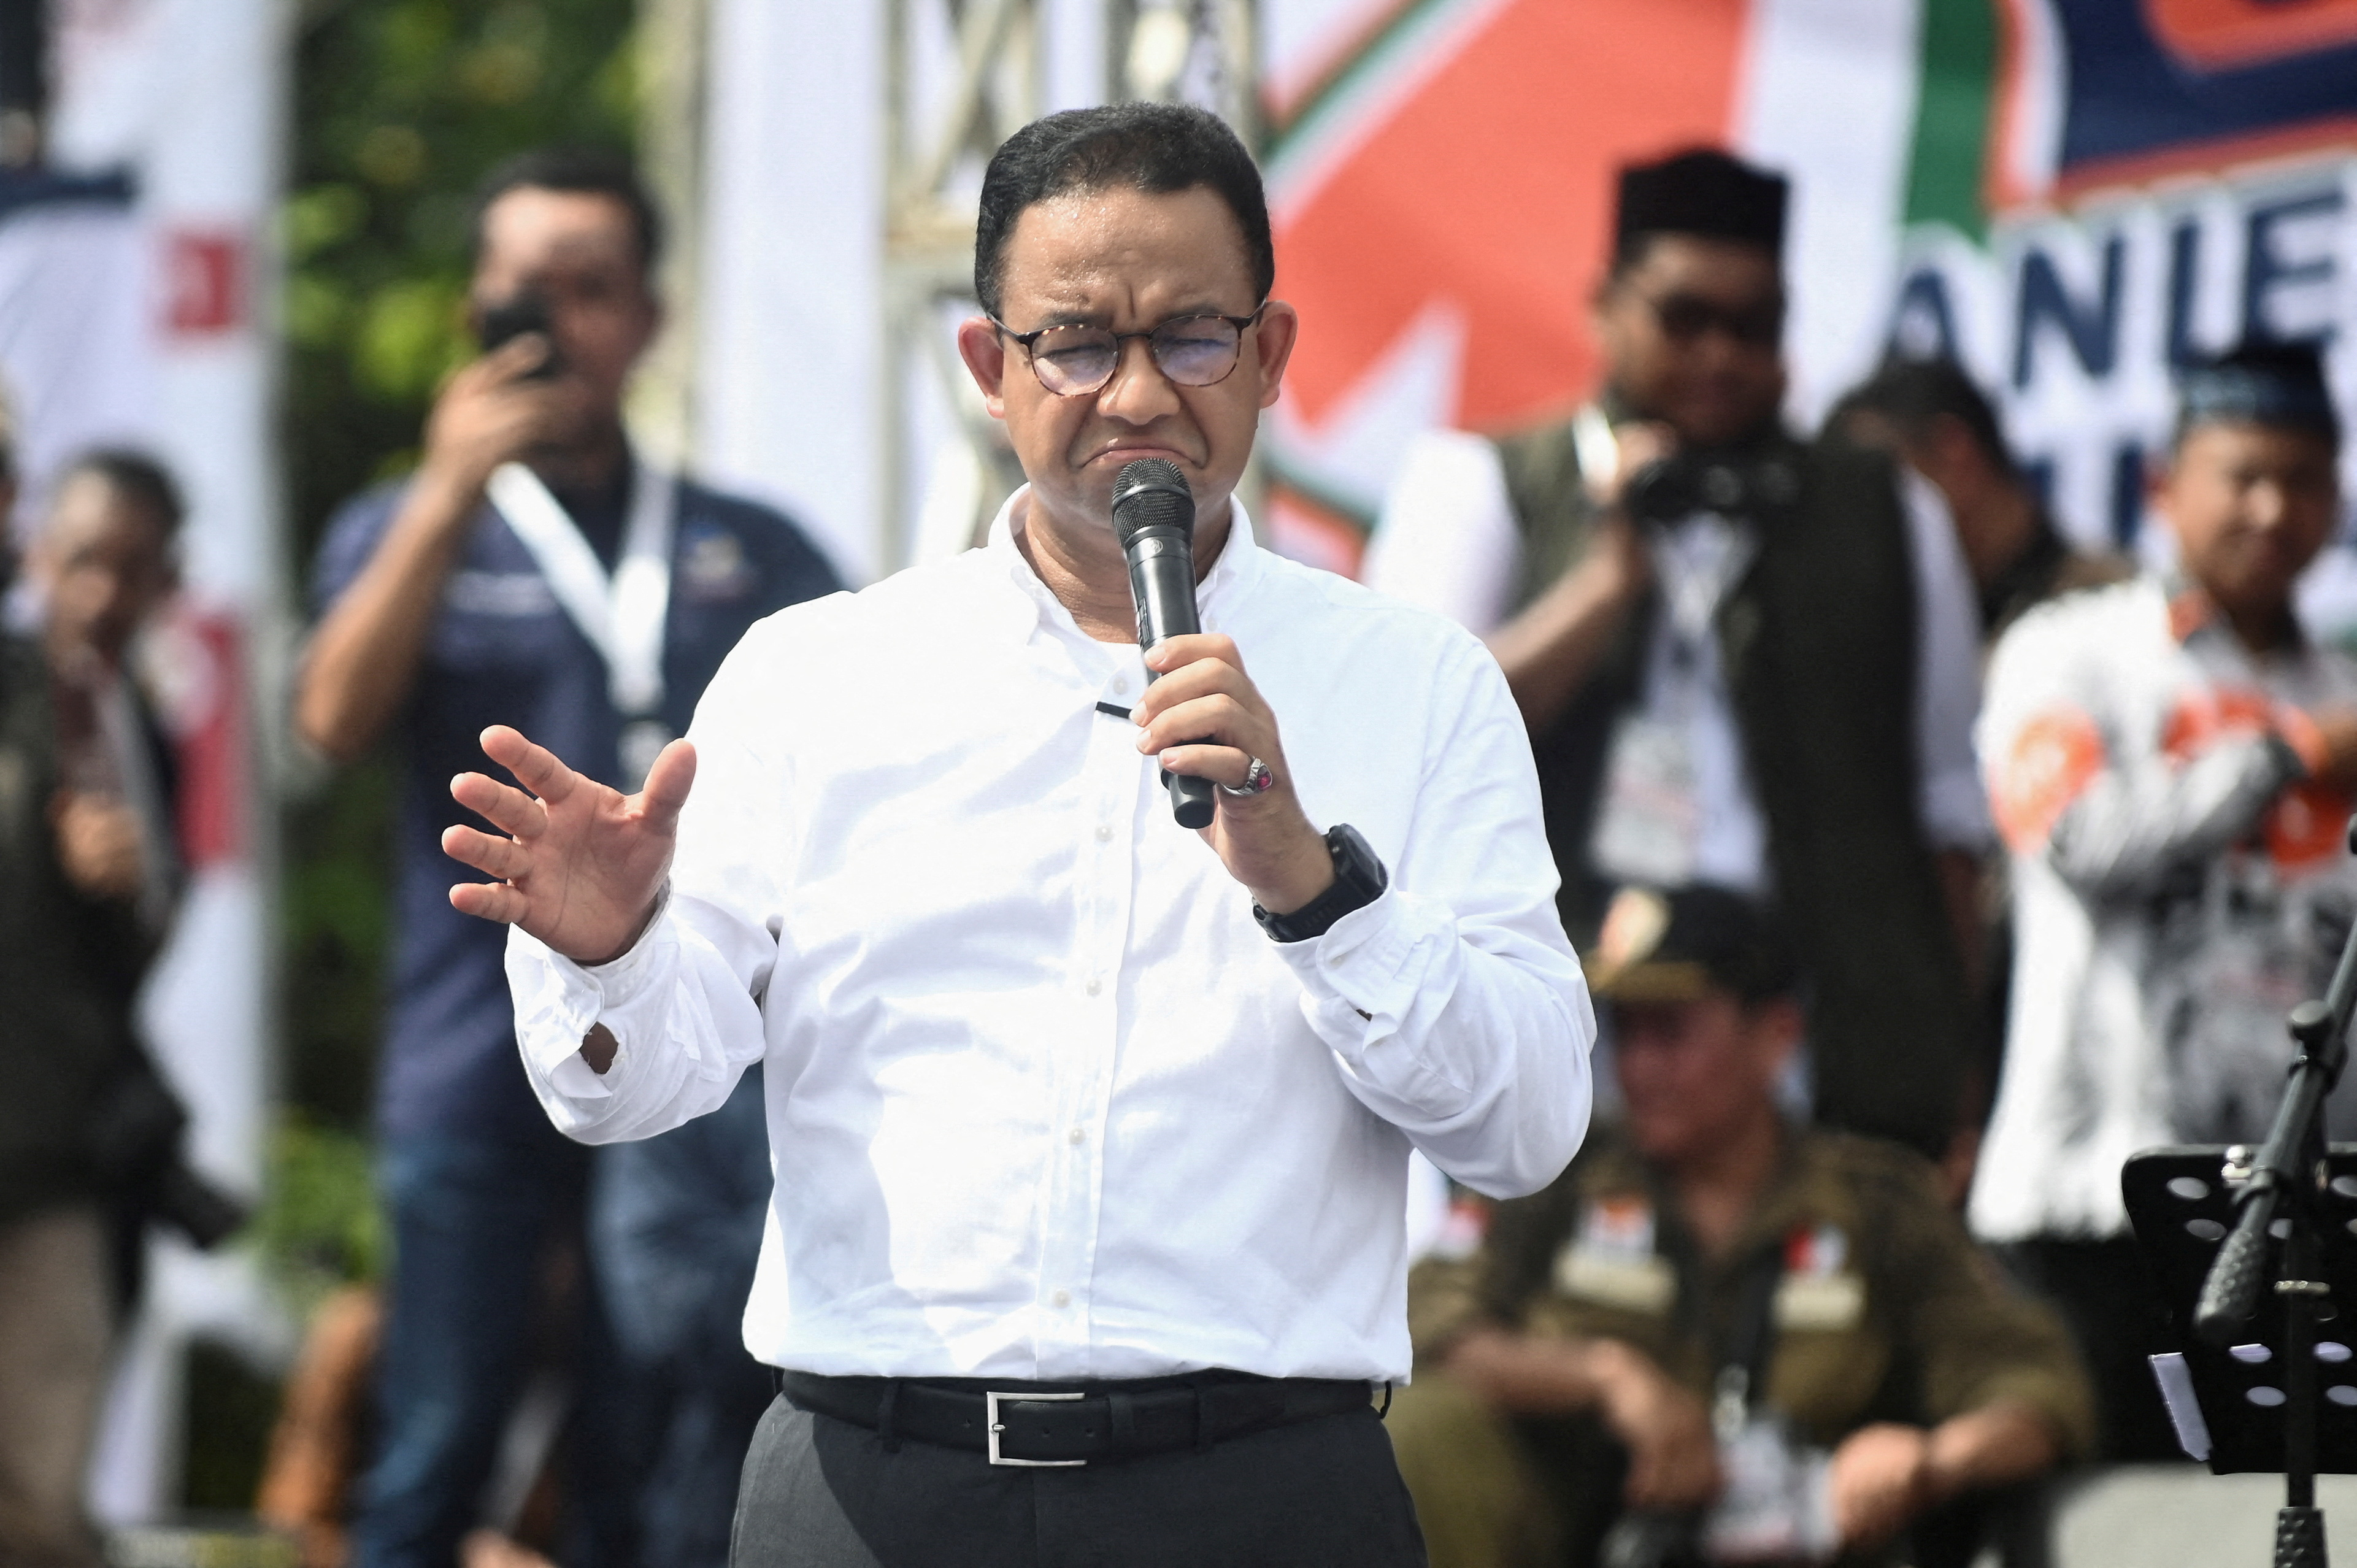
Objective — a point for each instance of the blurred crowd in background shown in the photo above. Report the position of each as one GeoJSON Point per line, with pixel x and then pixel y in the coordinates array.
{"type": "Point", "coordinates": [1929, 856]}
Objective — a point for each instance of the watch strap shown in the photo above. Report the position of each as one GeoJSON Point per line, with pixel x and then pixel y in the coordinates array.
{"type": "Point", "coordinates": [1359, 880]}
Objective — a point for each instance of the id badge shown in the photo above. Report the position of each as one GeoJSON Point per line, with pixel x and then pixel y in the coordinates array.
{"type": "Point", "coordinates": [1648, 818]}
{"type": "Point", "coordinates": [1777, 1506]}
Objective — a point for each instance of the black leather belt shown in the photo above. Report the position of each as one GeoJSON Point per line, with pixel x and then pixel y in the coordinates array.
{"type": "Point", "coordinates": [1072, 1424]}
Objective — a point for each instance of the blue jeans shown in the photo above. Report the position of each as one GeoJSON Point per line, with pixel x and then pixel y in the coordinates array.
{"type": "Point", "coordinates": [675, 1226]}
{"type": "Point", "coordinates": [473, 1222]}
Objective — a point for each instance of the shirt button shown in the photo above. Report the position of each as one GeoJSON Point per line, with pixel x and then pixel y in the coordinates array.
{"type": "Point", "coordinates": [1095, 985]}
{"type": "Point", "coordinates": [1105, 833]}
{"type": "Point", "coordinates": [1062, 1298]}
{"type": "Point", "coordinates": [1076, 1136]}
{"type": "Point", "coordinates": [1121, 686]}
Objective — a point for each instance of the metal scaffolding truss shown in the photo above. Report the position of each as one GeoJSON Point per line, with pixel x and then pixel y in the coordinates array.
{"type": "Point", "coordinates": [959, 75]}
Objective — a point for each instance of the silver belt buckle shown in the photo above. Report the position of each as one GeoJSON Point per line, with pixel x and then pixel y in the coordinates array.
{"type": "Point", "coordinates": [990, 1415]}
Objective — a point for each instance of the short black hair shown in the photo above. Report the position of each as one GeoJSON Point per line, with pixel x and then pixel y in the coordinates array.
{"type": "Point", "coordinates": [137, 474]}
{"type": "Point", "coordinates": [1914, 393]}
{"type": "Point", "coordinates": [1157, 148]}
{"type": "Point", "coordinates": [588, 171]}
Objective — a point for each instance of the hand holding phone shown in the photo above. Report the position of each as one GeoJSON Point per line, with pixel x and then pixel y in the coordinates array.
{"type": "Point", "coordinates": [512, 317]}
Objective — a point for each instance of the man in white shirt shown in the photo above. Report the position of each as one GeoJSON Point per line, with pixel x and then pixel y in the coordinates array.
{"type": "Point", "coordinates": [1762, 676]}
{"type": "Point", "coordinates": [1076, 1166]}
{"type": "Point", "coordinates": [2173, 761]}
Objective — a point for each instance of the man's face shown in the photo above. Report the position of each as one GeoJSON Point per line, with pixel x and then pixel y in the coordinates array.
{"type": "Point", "coordinates": [1128, 261]}
{"type": "Point", "coordinates": [1691, 330]}
{"type": "Point", "coordinates": [2251, 505]}
{"type": "Point", "coordinates": [1694, 1074]}
{"type": "Point", "coordinates": [575, 250]}
{"type": "Point", "coordinates": [102, 566]}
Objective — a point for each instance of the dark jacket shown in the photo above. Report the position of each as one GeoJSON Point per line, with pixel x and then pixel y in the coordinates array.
{"type": "Point", "coordinates": [1819, 640]}
{"type": "Point", "coordinates": [69, 970]}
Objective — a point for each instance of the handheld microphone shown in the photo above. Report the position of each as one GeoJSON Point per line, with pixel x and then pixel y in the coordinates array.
{"type": "Point", "coordinates": [1153, 518]}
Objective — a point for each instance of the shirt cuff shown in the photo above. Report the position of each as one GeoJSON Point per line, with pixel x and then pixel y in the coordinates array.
{"type": "Point", "coordinates": [1362, 975]}
{"type": "Point", "coordinates": [558, 1001]}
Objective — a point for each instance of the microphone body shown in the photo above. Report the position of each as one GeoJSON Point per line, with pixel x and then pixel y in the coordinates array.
{"type": "Point", "coordinates": [1154, 517]}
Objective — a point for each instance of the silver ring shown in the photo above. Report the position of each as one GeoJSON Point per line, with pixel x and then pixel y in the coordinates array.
{"type": "Point", "coordinates": [1258, 780]}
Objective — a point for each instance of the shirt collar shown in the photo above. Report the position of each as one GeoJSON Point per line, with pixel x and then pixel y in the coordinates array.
{"type": "Point", "coordinates": [1223, 587]}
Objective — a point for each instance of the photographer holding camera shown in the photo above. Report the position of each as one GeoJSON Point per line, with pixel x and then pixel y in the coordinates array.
{"type": "Point", "coordinates": [535, 572]}
{"type": "Point", "coordinates": [1743, 659]}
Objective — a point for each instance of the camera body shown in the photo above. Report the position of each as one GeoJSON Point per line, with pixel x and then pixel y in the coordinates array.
{"type": "Point", "coordinates": [1732, 482]}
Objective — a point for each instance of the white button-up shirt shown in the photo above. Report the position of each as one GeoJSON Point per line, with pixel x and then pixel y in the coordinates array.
{"type": "Point", "coordinates": [1044, 1100]}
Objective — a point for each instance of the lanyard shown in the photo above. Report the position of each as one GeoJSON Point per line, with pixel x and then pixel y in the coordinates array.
{"type": "Point", "coordinates": [623, 615]}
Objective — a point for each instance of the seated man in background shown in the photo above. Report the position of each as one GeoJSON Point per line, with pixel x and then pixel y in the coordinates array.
{"type": "Point", "coordinates": [2171, 761]}
{"type": "Point", "coordinates": [1719, 1337]}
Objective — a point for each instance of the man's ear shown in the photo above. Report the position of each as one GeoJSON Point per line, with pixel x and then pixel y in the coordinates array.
{"type": "Point", "coordinates": [1273, 341]}
{"type": "Point", "coordinates": [985, 353]}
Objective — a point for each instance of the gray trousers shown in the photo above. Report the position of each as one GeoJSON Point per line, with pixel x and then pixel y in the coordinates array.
{"type": "Point", "coordinates": [822, 1493]}
{"type": "Point", "coordinates": [56, 1325]}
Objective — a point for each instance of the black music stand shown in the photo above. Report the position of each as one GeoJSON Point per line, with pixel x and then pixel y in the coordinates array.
{"type": "Point", "coordinates": [2221, 1226]}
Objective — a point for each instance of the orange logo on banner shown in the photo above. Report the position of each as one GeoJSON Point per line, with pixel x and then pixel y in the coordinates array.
{"type": "Point", "coordinates": [2219, 35]}
{"type": "Point", "coordinates": [2053, 758]}
{"type": "Point", "coordinates": [1490, 188]}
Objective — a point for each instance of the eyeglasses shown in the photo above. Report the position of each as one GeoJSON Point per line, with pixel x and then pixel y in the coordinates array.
{"type": "Point", "coordinates": [1684, 318]}
{"type": "Point", "coordinates": [1192, 350]}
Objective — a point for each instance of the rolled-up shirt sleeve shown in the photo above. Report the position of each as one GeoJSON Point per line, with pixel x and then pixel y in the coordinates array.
{"type": "Point", "coordinates": [1453, 1004]}
{"type": "Point", "coordinates": [684, 1003]}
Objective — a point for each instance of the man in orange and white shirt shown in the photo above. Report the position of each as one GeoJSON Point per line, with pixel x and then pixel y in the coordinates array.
{"type": "Point", "coordinates": [2171, 761]}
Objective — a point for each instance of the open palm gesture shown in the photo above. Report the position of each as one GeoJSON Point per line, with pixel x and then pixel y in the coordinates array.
{"type": "Point", "coordinates": [583, 862]}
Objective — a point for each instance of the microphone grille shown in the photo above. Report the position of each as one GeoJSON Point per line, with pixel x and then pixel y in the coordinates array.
{"type": "Point", "coordinates": [1151, 493]}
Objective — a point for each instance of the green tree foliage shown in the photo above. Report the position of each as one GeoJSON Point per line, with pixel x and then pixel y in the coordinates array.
{"type": "Point", "coordinates": [401, 107]}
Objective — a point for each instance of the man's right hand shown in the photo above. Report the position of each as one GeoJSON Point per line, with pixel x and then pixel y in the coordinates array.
{"type": "Point", "coordinates": [2336, 730]}
{"type": "Point", "coordinates": [583, 864]}
{"type": "Point", "coordinates": [366, 649]}
{"type": "Point", "coordinates": [495, 410]}
{"type": "Point", "coordinates": [1673, 1457]}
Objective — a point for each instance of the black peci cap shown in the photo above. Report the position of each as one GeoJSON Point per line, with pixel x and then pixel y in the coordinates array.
{"type": "Point", "coordinates": [1704, 192]}
{"type": "Point", "coordinates": [1676, 944]}
{"type": "Point", "coordinates": [2260, 384]}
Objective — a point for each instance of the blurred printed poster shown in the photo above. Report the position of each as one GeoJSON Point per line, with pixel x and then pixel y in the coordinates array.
{"type": "Point", "coordinates": [2070, 196]}
{"type": "Point", "coordinates": [134, 309]}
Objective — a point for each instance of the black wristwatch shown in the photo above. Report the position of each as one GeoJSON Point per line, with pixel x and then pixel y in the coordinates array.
{"type": "Point", "coordinates": [1359, 880]}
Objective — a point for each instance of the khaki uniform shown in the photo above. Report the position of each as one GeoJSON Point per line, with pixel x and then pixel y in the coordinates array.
{"type": "Point", "coordinates": [1884, 1311]}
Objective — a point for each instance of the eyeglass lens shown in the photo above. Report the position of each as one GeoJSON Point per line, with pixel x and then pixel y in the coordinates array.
{"type": "Point", "coordinates": [1684, 319]}
{"type": "Point", "coordinates": [1194, 352]}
